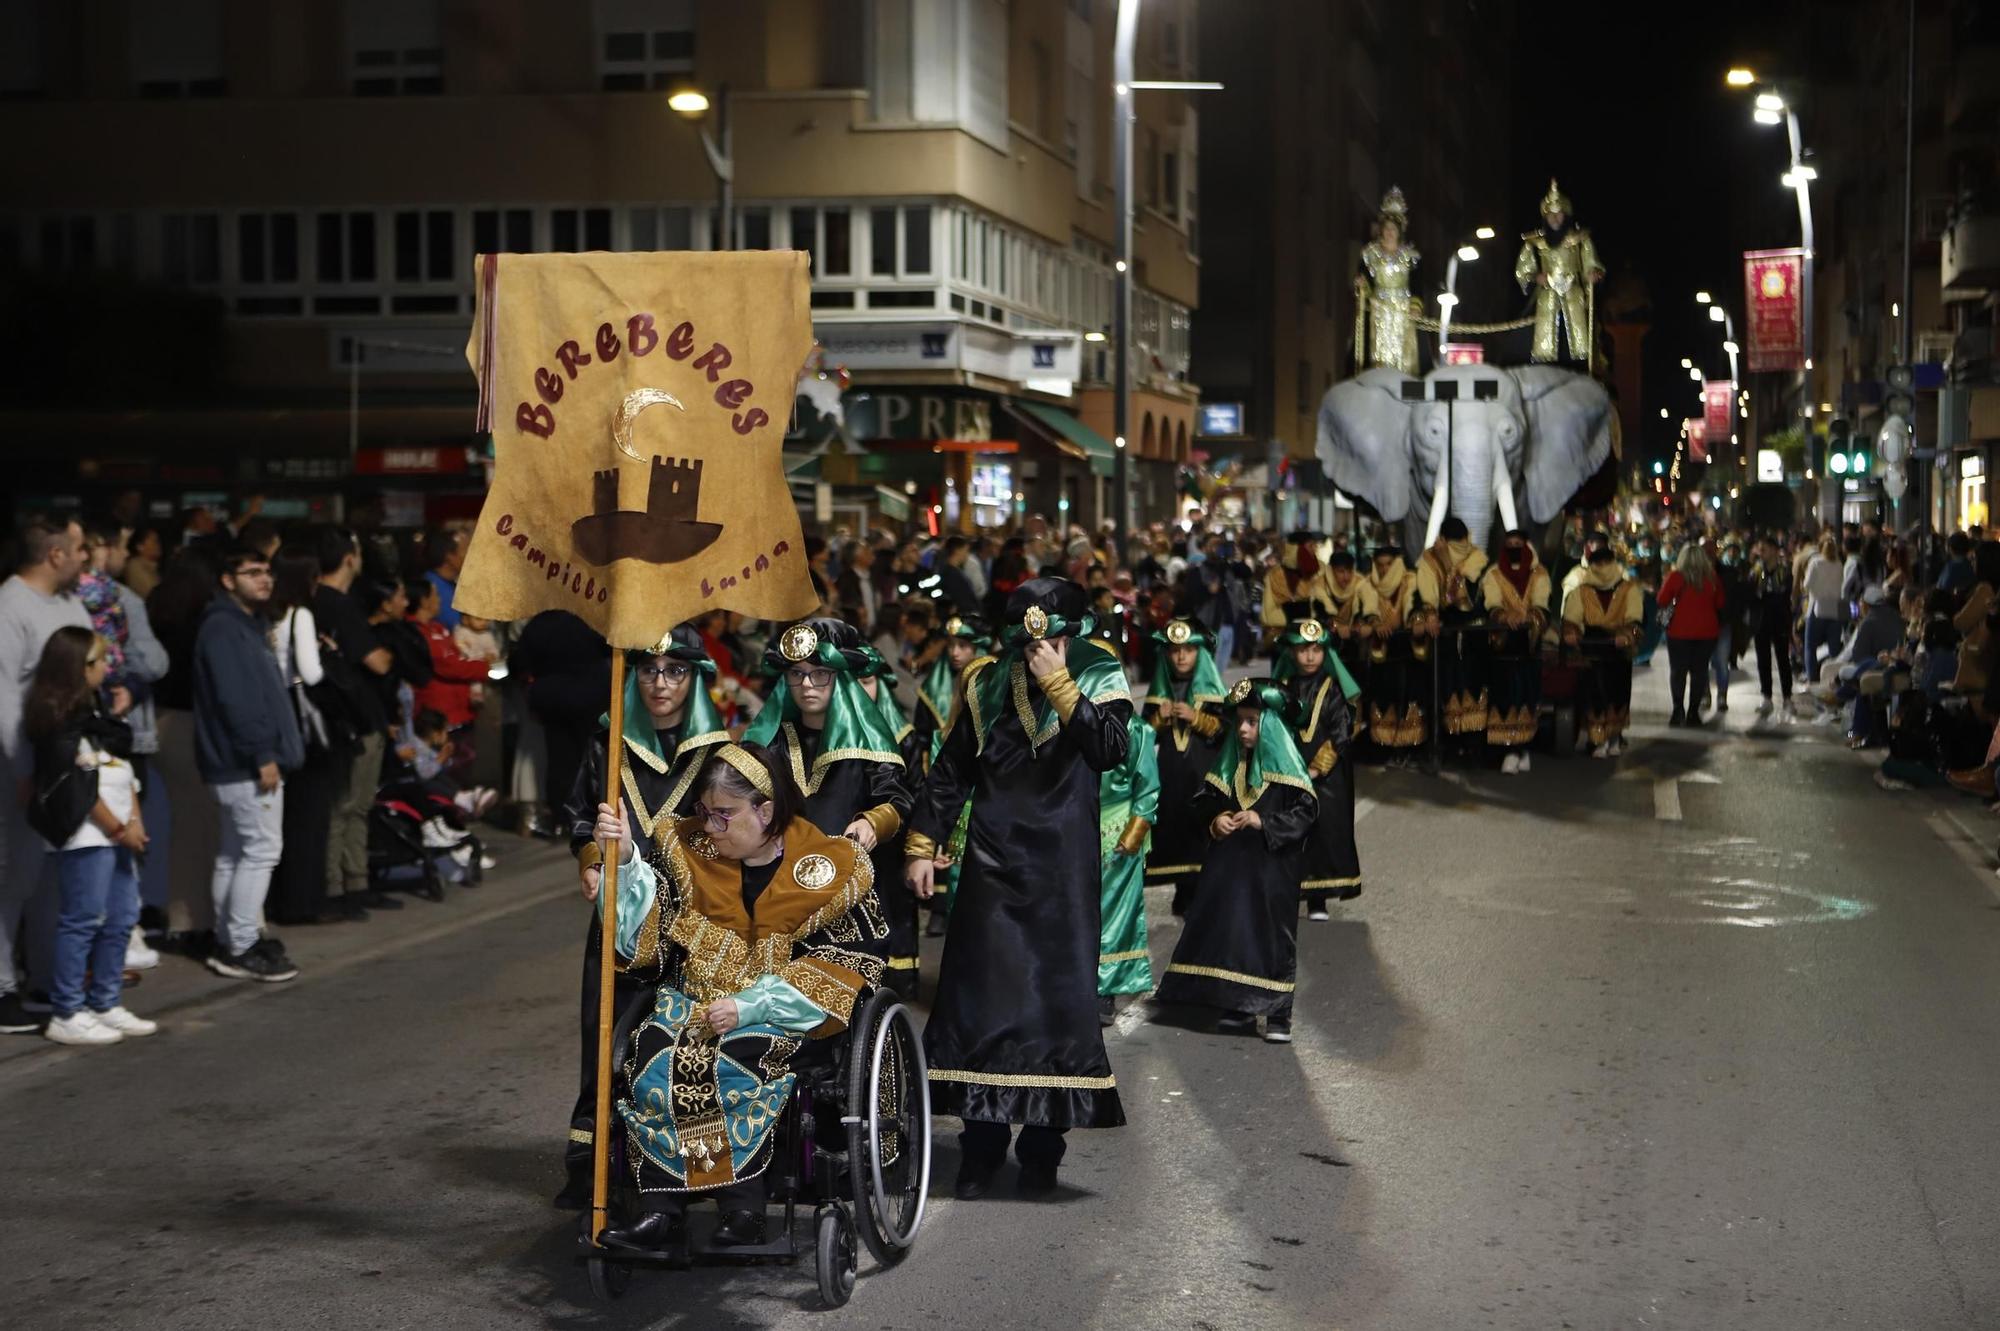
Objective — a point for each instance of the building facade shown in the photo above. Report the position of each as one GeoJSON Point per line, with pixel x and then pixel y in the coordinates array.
{"type": "Point", "coordinates": [291, 197]}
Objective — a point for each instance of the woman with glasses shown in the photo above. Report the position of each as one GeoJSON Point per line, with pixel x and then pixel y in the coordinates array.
{"type": "Point", "coordinates": [762, 932]}
{"type": "Point", "coordinates": [671, 725]}
{"type": "Point", "coordinates": [844, 759]}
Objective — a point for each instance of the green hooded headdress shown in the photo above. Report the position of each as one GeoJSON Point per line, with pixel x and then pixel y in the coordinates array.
{"type": "Point", "coordinates": [876, 667]}
{"type": "Point", "coordinates": [855, 725]}
{"type": "Point", "coordinates": [1311, 633]}
{"type": "Point", "coordinates": [701, 723]}
{"type": "Point", "coordinates": [1275, 761]}
{"type": "Point", "coordinates": [1205, 685]}
{"type": "Point", "coordinates": [998, 685]}
{"type": "Point", "coordinates": [940, 682]}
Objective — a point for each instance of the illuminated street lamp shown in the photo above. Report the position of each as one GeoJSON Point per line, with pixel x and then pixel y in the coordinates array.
{"type": "Point", "coordinates": [692, 105]}
{"type": "Point", "coordinates": [1739, 78]}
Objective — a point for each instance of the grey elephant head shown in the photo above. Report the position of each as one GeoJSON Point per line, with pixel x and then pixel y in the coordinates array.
{"type": "Point", "coordinates": [1535, 433]}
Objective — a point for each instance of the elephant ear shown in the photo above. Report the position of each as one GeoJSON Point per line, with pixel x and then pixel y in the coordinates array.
{"type": "Point", "coordinates": [1569, 435]}
{"type": "Point", "coordinates": [1363, 442]}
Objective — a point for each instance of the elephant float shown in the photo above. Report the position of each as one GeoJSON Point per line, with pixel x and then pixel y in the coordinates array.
{"type": "Point", "coordinates": [1534, 432]}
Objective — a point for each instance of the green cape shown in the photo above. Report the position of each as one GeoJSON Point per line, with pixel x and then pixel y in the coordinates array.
{"type": "Point", "coordinates": [1284, 667]}
{"type": "Point", "coordinates": [1275, 761]}
{"type": "Point", "coordinates": [1205, 685]}
{"type": "Point", "coordinates": [996, 686]}
{"type": "Point", "coordinates": [885, 694]}
{"type": "Point", "coordinates": [701, 723]}
{"type": "Point", "coordinates": [856, 726]}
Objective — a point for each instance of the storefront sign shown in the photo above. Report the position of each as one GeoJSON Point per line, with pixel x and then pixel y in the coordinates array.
{"type": "Point", "coordinates": [929, 416]}
{"type": "Point", "coordinates": [1221, 418]}
{"type": "Point", "coordinates": [1717, 404]}
{"type": "Point", "coordinates": [410, 462]}
{"type": "Point", "coordinates": [1770, 465]}
{"type": "Point", "coordinates": [1773, 293]}
{"type": "Point", "coordinates": [892, 504]}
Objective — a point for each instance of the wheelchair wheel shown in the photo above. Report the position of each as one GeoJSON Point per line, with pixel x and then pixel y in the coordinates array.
{"type": "Point", "coordinates": [888, 1129]}
{"type": "Point", "coordinates": [834, 1255]}
{"type": "Point", "coordinates": [608, 1279]}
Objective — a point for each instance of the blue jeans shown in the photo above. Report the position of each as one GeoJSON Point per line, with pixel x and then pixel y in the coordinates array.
{"type": "Point", "coordinates": [1820, 633]}
{"type": "Point", "coordinates": [100, 904]}
{"type": "Point", "coordinates": [1225, 645]}
{"type": "Point", "coordinates": [1719, 664]}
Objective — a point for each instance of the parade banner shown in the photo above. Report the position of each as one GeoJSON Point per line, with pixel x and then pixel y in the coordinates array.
{"type": "Point", "coordinates": [1718, 405]}
{"type": "Point", "coordinates": [1774, 295]}
{"type": "Point", "coordinates": [1696, 433]}
{"type": "Point", "coordinates": [638, 405]}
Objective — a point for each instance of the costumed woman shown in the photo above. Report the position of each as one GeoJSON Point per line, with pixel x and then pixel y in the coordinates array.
{"type": "Point", "coordinates": [1601, 616]}
{"type": "Point", "coordinates": [1516, 593]}
{"type": "Point", "coordinates": [1184, 708]}
{"type": "Point", "coordinates": [1013, 1035]}
{"type": "Point", "coordinates": [671, 725]}
{"type": "Point", "coordinates": [1385, 311]}
{"type": "Point", "coordinates": [844, 759]}
{"type": "Point", "coordinates": [762, 933]}
{"type": "Point", "coordinates": [1322, 711]}
{"type": "Point", "coordinates": [966, 639]}
{"type": "Point", "coordinates": [1558, 264]}
{"type": "Point", "coordinates": [1396, 705]}
{"type": "Point", "coordinates": [1239, 951]}
{"type": "Point", "coordinates": [1448, 577]}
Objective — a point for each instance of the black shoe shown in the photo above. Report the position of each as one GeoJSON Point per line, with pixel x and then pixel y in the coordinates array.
{"type": "Point", "coordinates": [575, 1195]}
{"type": "Point", "coordinates": [265, 966]}
{"type": "Point", "coordinates": [1679, 718]}
{"type": "Point", "coordinates": [738, 1229]}
{"type": "Point", "coordinates": [1348, 893]}
{"type": "Point", "coordinates": [1036, 1180]}
{"type": "Point", "coordinates": [15, 1019]}
{"type": "Point", "coordinates": [1107, 1009]}
{"type": "Point", "coordinates": [1236, 1023]}
{"type": "Point", "coordinates": [655, 1231]}
{"type": "Point", "coordinates": [1277, 1032]}
{"type": "Point", "coordinates": [935, 929]}
{"type": "Point", "coordinates": [152, 923]}
{"type": "Point", "coordinates": [974, 1181]}
{"type": "Point", "coordinates": [374, 900]}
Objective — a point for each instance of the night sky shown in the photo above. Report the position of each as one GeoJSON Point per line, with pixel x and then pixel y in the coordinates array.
{"type": "Point", "coordinates": [1663, 162]}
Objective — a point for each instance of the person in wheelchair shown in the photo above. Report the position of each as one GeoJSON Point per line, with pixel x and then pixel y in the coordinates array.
{"type": "Point", "coordinates": [769, 932]}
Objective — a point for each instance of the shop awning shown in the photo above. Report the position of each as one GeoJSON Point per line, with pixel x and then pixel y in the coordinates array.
{"type": "Point", "coordinates": [1094, 446]}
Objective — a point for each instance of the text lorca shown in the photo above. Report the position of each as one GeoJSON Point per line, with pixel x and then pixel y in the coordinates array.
{"type": "Point", "coordinates": [641, 337]}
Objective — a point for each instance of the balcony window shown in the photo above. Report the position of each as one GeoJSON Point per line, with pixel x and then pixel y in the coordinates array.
{"type": "Point", "coordinates": [575, 229]}
{"type": "Point", "coordinates": [753, 228]}
{"type": "Point", "coordinates": [267, 248]}
{"type": "Point", "coordinates": [20, 50]}
{"type": "Point", "coordinates": [394, 47]}
{"type": "Point", "coordinates": [191, 248]}
{"type": "Point", "coordinates": [503, 231]}
{"type": "Point", "coordinates": [643, 44]}
{"type": "Point", "coordinates": [424, 244]}
{"type": "Point", "coordinates": [176, 47]}
{"type": "Point", "coordinates": [661, 229]}
{"type": "Point", "coordinates": [69, 242]}
{"type": "Point", "coordinates": [345, 247]}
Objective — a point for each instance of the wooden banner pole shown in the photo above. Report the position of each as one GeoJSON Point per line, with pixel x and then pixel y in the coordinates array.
{"type": "Point", "coordinates": [607, 1016]}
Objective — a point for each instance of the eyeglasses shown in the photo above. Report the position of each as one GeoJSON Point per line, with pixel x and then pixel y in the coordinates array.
{"type": "Point", "coordinates": [677, 671]}
{"type": "Point", "coordinates": [811, 679]}
{"type": "Point", "coordinates": [716, 820]}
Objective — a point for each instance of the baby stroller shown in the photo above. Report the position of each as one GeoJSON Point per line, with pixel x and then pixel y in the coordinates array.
{"type": "Point", "coordinates": [418, 840]}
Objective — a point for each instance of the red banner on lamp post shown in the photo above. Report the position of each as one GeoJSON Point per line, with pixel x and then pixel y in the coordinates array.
{"type": "Point", "coordinates": [1717, 403]}
{"type": "Point", "coordinates": [1697, 439]}
{"type": "Point", "coordinates": [1774, 295]}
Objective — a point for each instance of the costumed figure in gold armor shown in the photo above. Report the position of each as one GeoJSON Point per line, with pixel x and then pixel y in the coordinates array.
{"type": "Point", "coordinates": [1558, 263]}
{"type": "Point", "coordinates": [1395, 702]}
{"type": "Point", "coordinates": [1386, 322]}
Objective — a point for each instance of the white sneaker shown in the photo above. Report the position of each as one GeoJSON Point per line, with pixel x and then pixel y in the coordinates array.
{"type": "Point", "coordinates": [1764, 707]}
{"type": "Point", "coordinates": [1524, 764]}
{"type": "Point", "coordinates": [1511, 764]}
{"type": "Point", "coordinates": [81, 1028]}
{"type": "Point", "coordinates": [126, 1023]}
{"type": "Point", "coordinates": [441, 835]}
{"type": "Point", "coordinates": [488, 863]}
{"type": "Point", "coordinates": [138, 956]}
{"type": "Point", "coordinates": [1602, 751]}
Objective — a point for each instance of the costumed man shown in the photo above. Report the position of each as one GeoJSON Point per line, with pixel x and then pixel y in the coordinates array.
{"type": "Point", "coordinates": [1293, 589]}
{"type": "Point", "coordinates": [1239, 951]}
{"type": "Point", "coordinates": [1448, 576]}
{"type": "Point", "coordinates": [1396, 715]}
{"type": "Point", "coordinates": [761, 932]}
{"type": "Point", "coordinates": [671, 725]}
{"type": "Point", "coordinates": [966, 639]}
{"type": "Point", "coordinates": [1184, 707]}
{"type": "Point", "coordinates": [1013, 1036]}
{"type": "Point", "coordinates": [1602, 617]}
{"type": "Point", "coordinates": [1516, 593]}
{"type": "Point", "coordinates": [1322, 710]}
{"type": "Point", "coordinates": [1559, 264]}
{"type": "Point", "coordinates": [1352, 610]}
{"type": "Point", "coordinates": [1385, 311]}
{"type": "Point", "coordinates": [844, 760]}
{"type": "Point", "coordinates": [1128, 803]}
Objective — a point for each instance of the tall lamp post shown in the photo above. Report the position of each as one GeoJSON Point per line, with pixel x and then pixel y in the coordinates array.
{"type": "Point", "coordinates": [692, 104]}
{"type": "Point", "coordinates": [1772, 109]}
{"type": "Point", "coordinates": [1448, 298]}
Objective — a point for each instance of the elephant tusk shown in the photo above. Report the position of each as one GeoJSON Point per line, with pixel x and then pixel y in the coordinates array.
{"type": "Point", "coordinates": [1440, 495]}
{"type": "Point", "coordinates": [1503, 490]}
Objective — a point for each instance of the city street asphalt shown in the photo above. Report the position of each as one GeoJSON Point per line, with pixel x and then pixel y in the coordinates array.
{"type": "Point", "coordinates": [1704, 1037]}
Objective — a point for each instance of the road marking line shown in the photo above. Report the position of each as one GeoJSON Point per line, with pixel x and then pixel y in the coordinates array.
{"type": "Point", "coordinates": [1967, 847]}
{"type": "Point", "coordinates": [1667, 799]}
{"type": "Point", "coordinates": [1363, 807]}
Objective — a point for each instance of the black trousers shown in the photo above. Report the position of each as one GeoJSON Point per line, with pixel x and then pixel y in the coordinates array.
{"type": "Point", "coordinates": [1774, 640]}
{"type": "Point", "coordinates": [985, 1144]}
{"type": "Point", "coordinates": [1688, 658]}
{"type": "Point", "coordinates": [583, 1119]}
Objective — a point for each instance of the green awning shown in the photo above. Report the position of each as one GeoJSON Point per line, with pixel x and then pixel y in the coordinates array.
{"type": "Point", "coordinates": [1095, 446]}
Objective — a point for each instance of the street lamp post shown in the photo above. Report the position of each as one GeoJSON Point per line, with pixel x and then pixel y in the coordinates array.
{"type": "Point", "coordinates": [692, 104]}
{"type": "Point", "coordinates": [1448, 299]}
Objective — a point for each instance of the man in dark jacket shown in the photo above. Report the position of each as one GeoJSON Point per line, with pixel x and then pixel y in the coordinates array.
{"type": "Point", "coordinates": [246, 739]}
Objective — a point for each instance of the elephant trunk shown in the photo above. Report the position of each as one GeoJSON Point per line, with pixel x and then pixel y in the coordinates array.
{"type": "Point", "coordinates": [1472, 494]}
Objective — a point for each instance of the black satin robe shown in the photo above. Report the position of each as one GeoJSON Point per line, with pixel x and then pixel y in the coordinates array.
{"type": "Point", "coordinates": [1332, 866]}
{"type": "Point", "coordinates": [1179, 843]}
{"type": "Point", "coordinates": [1013, 1035]}
{"type": "Point", "coordinates": [1239, 949]}
{"type": "Point", "coordinates": [847, 789]}
{"type": "Point", "coordinates": [579, 815]}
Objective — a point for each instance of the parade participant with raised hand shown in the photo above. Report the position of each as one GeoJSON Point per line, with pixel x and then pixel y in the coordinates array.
{"type": "Point", "coordinates": [1239, 951]}
{"type": "Point", "coordinates": [1129, 804]}
{"type": "Point", "coordinates": [1322, 712]}
{"type": "Point", "coordinates": [1602, 616]}
{"type": "Point", "coordinates": [1184, 708]}
{"type": "Point", "coordinates": [1013, 1037]}
{"type": "Point", "coordinates": [670, 726]}
{"type": "Point", "coordinates": [1395, 703]}
{"type": "Point", "coordinates": [845, 761]}
{"type": "Point", "coordinates": [1516, 593]}
{"type": "Point", "coordinates": [761, 931]}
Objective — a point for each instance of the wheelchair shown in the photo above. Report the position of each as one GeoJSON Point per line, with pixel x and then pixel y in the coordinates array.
{"type": "Point", "coordinates": [854, 1143]}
